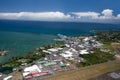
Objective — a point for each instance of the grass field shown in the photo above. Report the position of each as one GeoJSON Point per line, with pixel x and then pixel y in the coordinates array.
{"type": "Point", "coordinates": [86, 73]}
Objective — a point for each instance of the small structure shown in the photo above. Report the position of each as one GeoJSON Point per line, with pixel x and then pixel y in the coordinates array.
{"type": "Point", "coordinates": [32, 71]}
{"type": "Point", "coordinates": [84, 52]}
{"type": "Point", "coordinates": [50, 63]}
{"type": "Point", "coordinates": [34, 67]}
{"type": "Point", "coordinates": [53, 50]}
{"type": "Point", "coordinates": [62, 64]}
{"type": "Point", "coordinates": [45, 51]}
{"type": "Point", "coordinates": [86, 39]}
{"type": "Point", "coordinates": [67, 45]}
{"type": "Point", "coordinates": [41, 62]}
{"type": "Point", "coordinates": [67, 54]}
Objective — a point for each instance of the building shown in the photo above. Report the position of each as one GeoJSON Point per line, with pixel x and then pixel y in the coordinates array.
{"type": "Point", "coordinates": [32, 71]}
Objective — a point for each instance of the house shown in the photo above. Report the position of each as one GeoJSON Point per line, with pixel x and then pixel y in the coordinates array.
{"type": "Point", "coordinates": [67, 54]}
{"type": "Point", "coordinates": [52, 50]}
{"type": "Point", "coordinates": [84, 52]}
{"type": "Point", "coordinates": [32, 71]}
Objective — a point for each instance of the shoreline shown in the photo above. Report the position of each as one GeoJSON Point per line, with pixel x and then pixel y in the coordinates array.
{"type": "Point", "coordinates": [22, 43]}
{"type": "Point", "coordinates": [52, 50]}
{"type": "Point", "coordinates": [72, 53]}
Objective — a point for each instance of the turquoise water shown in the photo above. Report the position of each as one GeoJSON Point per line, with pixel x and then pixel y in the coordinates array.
{"type": "Point", "coordinates": [21, 43]}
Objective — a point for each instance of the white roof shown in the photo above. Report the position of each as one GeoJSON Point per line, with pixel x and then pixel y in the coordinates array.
{"type": "Point", "coordinates": [81, 46]}
{"type": "Point", "coordinates": [8, 77]}
{"type": "Point", "coordinates": [68, 64]}
{"type": "Point", "coordinates": [71, 58]}
{"type": "Point", "coordinates": [84, 52]}
{"type": "Point", "coordinates": [45, 58]}
{"type": "Point", "coordinates": [46, 51]}
{"type": "Point", "coordinates": [59, 48]}
{"type": "Point", "coordinates": [68, 52]}
{"type": "Point", "coordinates": [34, 67]}
{"type": "Point", "coordinates": [72, 49]}
{"type": "Point", "coordinates": [25, 73]}
{"type": "Point", "coordinates": [54, 55]}
{"type": "Point", "coordinates": [53, 50]}
{"type": "Point", "coordinates": [67, 45]}
{"type": "Point", "coordinates": [66, 55]}
{"type": "Point", "coordinates": [86, 39]}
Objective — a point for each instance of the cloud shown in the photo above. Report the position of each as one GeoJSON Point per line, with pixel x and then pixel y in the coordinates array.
{"type": "Point", "coordinates": [107, 14]}
{"type": "Point", "coordinates": [43, 16]}
{"type": "Point", "coordinates": [86, 14]}
{"type": "Point", "coordinates": [118, 16]}
{"type": "Point", "coordinates": [104, 16]}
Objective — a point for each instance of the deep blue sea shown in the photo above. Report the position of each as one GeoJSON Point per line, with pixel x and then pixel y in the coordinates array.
{"type": "Point", "coordinates": [21, 37]}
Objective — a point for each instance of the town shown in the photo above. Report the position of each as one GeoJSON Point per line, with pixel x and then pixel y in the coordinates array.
{"type": "Point", "coordinates": [65, 57]}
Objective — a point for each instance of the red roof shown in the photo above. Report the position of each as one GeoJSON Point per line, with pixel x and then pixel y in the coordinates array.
{"type": "Point", "coordinates": [36, 75]}
{"type": "Point", "coordinates": [28, 77]}
{"type": "Point", "coordinates": [34, 72]}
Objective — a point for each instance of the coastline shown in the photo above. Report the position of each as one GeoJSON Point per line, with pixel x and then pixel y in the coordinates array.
{"type": "Point", "coordinates": [22, 43]}
{"type": "Point", "coordinates": [40, 53]}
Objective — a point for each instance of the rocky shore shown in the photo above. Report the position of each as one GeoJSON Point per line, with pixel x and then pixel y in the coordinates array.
{"type": "Point", "coordinates": [4, 52]}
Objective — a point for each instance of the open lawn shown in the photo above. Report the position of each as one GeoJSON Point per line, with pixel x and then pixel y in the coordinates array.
{"type": "Point", "coordinates": [86, 73]}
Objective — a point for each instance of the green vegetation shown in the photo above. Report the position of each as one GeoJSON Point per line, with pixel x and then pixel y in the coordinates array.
{"type": "Point", "coordinates": [56, 44]}
{"type": "Point", "coordinates": [108, 36]}
{"type": "Point", "coordinates": [95, 58]}
{"type": "Point", "coordinates": [31, 56]}
{"type": "Point", "coordinates": [13, 62]}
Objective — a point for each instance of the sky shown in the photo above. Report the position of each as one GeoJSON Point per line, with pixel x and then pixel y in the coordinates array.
{"type": "Point", "coordinates": [61, 10]}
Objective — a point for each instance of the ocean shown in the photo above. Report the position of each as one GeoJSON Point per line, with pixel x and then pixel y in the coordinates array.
{"type": "Point", "coordinates": [20, 37]}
